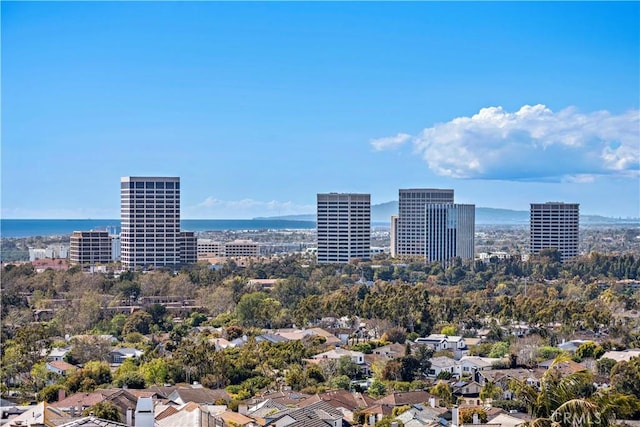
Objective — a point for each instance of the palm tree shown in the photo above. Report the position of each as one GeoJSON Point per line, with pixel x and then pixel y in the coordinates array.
{"type": "Point", "coordinates": [571, 400]}
{"type": "Point", "coordinates": [491, 390]}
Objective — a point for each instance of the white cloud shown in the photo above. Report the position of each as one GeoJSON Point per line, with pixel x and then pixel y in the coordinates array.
{"type": "Point", "coordinates": [245, 208]}
{"type": "Point", "coordinates": [533, 144]}
{"type": "Point", "coordinates": [391, 142]}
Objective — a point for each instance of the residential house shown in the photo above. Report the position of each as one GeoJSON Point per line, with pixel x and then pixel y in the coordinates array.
{"type": "Point", "coordinates": [571, 346]}
{"type": "Point", "coordinates": [60, 367]}
{"type": "Point", "coordinates": [344, 401]}
{"type": "Point", "coordinates": [264, 411]}
{"type": "Point", "coordinates": [76, 403]}
{"type": "Point", "coordinates": [221, 343]}
{"type": "Point", "coordinates": [317, 414]}
{"type": "Point", "coordinates": [422, 416]}
{"type": "Point", "coordinates": [230, 418]}
{"type": "Point", "coordinates": [387, 352]}
{"type": "Point", "coordinates": [440, 342]}
{"type": "Point", "coordinates": [566, 367]}
{"type": "Point", "coordinates": [335, 354]}
{"type": "Point", "coordinates": [503, 378]}
{"type": "Point", "coordinates": [42, 414]}
{"type": "Point", "coordinates": [467, 392]}
{"type": "Point", "coordinates": [286, 398]}
{"type": "Point", "coordinates": [187, 415]}
{"type": "Point", "coordinates": [621, 356]}
{"type": "Point", "coordinates": [93, 421]}
{"type": "Point", "coordinates": [508, 420]}
{"type": "Point", "coordinates": [472, 364]}
{"type": "Point", "coordinates": [441, 364]}
{"type": "Point", "coordinates": [58, 353]}
{"type": "Point", "coordinates": [119, 354]}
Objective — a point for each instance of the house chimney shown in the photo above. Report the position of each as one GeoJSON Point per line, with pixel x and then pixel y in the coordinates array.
{"type": "Point", "coordinates": [454, 417]}
{"type": "Point", "coordinates": [243, 409]}
{"type": "Point", "coordinates": [432, 402]}
{"type": "Point", "coordinates": [144, 412]}
{"type": "Point", "coordinates": [129, 417]}
{"type": "Point", "coordinates": [61, 394]}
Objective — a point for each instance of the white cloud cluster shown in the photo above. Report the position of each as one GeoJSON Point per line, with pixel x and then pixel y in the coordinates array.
{"type": "Point", "coordinates": [533, 143]}
{"type": "Point", "coordinates": [246, 208]}
{"type": "Point", "coordinates": [390, 142]}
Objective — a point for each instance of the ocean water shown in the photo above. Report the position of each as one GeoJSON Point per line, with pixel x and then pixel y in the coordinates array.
{"type": "Point", "coordinates": [57, 227]}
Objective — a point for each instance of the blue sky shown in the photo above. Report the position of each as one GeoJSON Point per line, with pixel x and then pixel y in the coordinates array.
{"type": "Point", "coordinates": [259, 106]}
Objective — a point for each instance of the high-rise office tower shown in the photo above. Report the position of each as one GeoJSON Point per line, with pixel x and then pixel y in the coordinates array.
{"type": "Point", "coordinates": [412, 227]}
{"type": "Point", "coordinates": [150, 221]}
{"type": "Point", "coordinates": [343, 227]}
{"type": "Point", "coordinates": [555, 225]}
{"type": "Point", "coordinates": [450, 230]}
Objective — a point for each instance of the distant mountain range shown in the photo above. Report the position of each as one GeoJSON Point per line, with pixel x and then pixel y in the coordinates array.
{"type": "Point", "coordinates": [382, 213]}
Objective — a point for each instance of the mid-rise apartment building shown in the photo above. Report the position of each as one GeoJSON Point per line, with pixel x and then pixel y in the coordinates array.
{"type": "Point", "coordinates": [210, 248]}
{"type": "Point", "coordinates": [188, 246]}
{"type": "Point", "coordinates": [90, 247]}
{"type": "Point", "coordinates": [555, 225]}
{"type": "Point", "coordinates": [242, 248]}
{"type": "Point", "coordinates": [343, 227]}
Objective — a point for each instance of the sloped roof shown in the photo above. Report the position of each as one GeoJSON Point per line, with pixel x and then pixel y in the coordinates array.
{"type": "Point", "coordinates": [166, 412]}
{"type": "Point", "coordinates": [188, 415]}
{"type": "Point", "coordinates": [419, 416]}
{"type": "Point", "coordinates": [443, 362]}
{"type": "Point", "coordinates": [506, 420]}
{"type": "Point", "coordinates": [620, 356]}
{"type": "Point", "coordinates": [61, 365]}
{"type": "Point", "coordinates": [59, 351]}
{"type": "Point", "coordinates": [565, 367]}
{"type": "Point", "coordinates": [482, 362]}
{"type": "Point", "coordinates": [316, 411]}
{"type": "Point", "coordinates": [92, 421]}
{"type": "Point", "coordinates": [288, 398]}
{"type": "Point", "coordinates": [120, 397]}
{"type": "Point", "coordinates": [405, 398]}
{"type": "Point", "coordinates": [340, 399]}
{"type": "Point", "coordinates": [198, 395]}
{"type": "Point", "coordinates": [235, 418]}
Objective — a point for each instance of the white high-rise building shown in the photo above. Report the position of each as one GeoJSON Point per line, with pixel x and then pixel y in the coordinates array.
{"type": "Point", "coordinates": [411, 231]}
{"type": "Point", "coordinates": [343, 227]}
{"type": "Point", "coordinates": [150, 220]}
{"type": "Point", "coordinates": [555, 225]}
{"type": "Point", "coordinates": [450, 230]}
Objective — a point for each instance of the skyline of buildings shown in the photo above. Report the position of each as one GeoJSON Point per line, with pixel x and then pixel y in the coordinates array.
{"type": "Point", "coordinates": [555, 225]}
{"type": "Point", "coordinates": [429, 224]}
